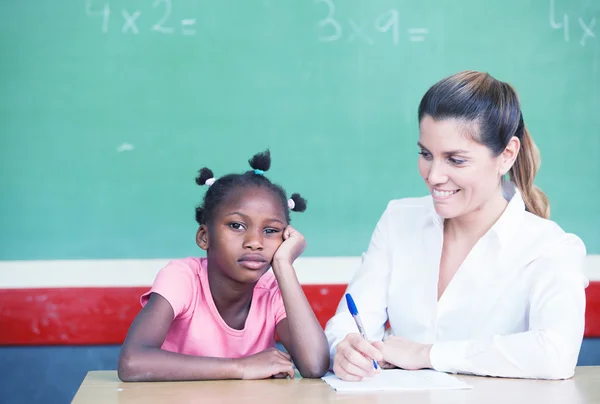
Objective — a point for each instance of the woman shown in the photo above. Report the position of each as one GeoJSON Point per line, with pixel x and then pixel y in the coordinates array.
{"type": "Point", "coordinates": [474, 278]}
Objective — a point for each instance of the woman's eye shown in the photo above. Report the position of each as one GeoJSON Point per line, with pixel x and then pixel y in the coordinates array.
{"type": "Point", "coordinates": [456, 162]}
{"type": "Point", "coordinates": [426, 155]}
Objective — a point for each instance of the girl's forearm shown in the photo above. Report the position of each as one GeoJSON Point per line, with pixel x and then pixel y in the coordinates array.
{"type": "Point", "coordinates": [309, 347]}
{"type": "Point", "coordinates": [144, 364]}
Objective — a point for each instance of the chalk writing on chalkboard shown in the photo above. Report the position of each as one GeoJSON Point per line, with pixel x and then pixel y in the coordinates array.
{"type": "Point", "coordinates": [585, 28]}
{"type": "Point", "coordinates": [333, 29]}
{"type": "Point", "coordinates": [129, 19]}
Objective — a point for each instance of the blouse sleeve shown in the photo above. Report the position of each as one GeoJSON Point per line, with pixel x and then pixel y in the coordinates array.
{"type": "Point", "coordinates": [369, 289]}
{"type": "Point", "coordinates": [550, 348]}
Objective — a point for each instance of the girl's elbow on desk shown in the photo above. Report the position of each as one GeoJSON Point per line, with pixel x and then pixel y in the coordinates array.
{"type": "Point", "coordinates": [315, 365]}
{"type": "Point", "coordinates": [314, 370]}
{"type": "Point", "coordinates": [128, 368]}
{"type": "Point", "coordinates": [139, 365]}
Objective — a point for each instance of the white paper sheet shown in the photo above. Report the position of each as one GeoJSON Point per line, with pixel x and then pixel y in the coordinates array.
{"type": "Point", "coordinates": [397, 379]}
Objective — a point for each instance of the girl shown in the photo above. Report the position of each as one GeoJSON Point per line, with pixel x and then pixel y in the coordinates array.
{"type": "Point", "coordinates": [216, 317]}
{"type": "Point", "coordinates": [473, 278]}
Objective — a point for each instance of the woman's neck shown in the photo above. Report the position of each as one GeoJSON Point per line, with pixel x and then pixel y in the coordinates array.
{"type": "Point", "coordinates": [474, 225]}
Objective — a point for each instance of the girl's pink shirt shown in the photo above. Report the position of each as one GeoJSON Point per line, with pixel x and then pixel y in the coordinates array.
{"type": "Point", "coordinates": [198, 328]}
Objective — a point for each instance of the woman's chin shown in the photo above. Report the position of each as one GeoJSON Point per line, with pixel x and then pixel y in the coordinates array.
{"type": "Point", "coordinates": [445, 211]}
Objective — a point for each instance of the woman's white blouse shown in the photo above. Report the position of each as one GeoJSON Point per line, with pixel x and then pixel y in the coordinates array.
{"type": "Point", "coordinates": [515, 308]}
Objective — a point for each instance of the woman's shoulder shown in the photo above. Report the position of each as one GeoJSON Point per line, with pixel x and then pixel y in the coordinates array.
{"type": "Point", "coordinates": [546, 231]}
{"type": "Point", "coordinates": [408, 210]}
{"type": "Point", "coordinates": [410, 206]}
{"type": "Point", "coordinates": [545, 238]}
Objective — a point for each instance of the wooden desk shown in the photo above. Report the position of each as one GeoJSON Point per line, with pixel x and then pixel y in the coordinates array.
{"type": "Point", "coordinates": [104, 387]}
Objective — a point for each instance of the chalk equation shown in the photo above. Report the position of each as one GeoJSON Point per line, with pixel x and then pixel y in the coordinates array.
{"type": "Point", "coordinates": [585, 30]}
{"type": "Point", "coordinates": [332, 28]}
{"type": "Point", "coordinates": [129, 19]}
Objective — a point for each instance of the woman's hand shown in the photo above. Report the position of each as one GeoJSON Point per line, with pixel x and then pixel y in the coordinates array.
{"type": "Point", "coordinates": [354, 357]}
{"type": "Point", "coordinates": [293, 245]}
{"type": "Point", "coordinates": [403, 353]}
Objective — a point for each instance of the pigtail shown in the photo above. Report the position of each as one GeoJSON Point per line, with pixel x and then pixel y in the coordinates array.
{"type": "Point", "coordinates": [221, 189]}
{"type": "Point", "coordinates": [297, 203]}
{"type": "Point", "coordinates": [261, 162]}
{"type": "Point", "coordinates": [205, 175]}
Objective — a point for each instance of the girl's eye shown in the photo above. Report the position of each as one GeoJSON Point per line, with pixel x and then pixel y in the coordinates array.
{"type": "Point", "coordinates": [271, 231]}
{"type": "Point", "coordinates": [235, 225]}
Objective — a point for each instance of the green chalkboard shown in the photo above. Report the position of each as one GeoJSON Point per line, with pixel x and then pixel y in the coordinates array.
{"type": "Point", "coordinates": [108, 108]}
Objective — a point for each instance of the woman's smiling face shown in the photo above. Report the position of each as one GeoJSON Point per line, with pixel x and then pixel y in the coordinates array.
{"type": "Point", "coordinates": [461, 174]}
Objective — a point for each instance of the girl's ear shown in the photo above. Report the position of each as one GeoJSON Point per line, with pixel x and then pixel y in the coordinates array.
{"type": "Point", "coordinates": [202, 237]}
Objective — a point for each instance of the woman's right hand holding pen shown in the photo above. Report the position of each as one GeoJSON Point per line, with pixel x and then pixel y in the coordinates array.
{"type": "Point", "coordinates": [354, 357]}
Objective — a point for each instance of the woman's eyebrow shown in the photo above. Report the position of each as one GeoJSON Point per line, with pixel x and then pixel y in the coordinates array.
{"type": "Point", "coordinates": [447, 153]}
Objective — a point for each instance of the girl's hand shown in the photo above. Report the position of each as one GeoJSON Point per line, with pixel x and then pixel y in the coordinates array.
{"type": "Point", "coordinates": [268, 363]}
{"type": "Point", "coordinates": [354, 357]}
{"type": "Point", "coordinates": [403, 353]}
{"type": "Point", "coordinates": [293, 245]}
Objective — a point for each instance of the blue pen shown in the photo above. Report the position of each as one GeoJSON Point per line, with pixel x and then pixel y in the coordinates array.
{"type": "Point", "coordinates": [354, 312]}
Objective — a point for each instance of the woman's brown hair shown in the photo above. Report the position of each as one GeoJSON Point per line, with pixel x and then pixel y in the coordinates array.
{"type": "Point", "coordinates": [493, 105]}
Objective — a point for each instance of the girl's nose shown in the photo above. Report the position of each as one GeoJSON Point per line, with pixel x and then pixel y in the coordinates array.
{"type": "Point", "coordinates": [253, 240]}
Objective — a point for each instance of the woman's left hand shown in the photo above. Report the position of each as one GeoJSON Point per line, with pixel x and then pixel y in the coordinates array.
{"type": "Point", "coordinates": [293, 245]}
{"type": "Point", "coordinates": [403, 353]}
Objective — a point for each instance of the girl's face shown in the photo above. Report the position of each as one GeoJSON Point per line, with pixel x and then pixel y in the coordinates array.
{"type": "Point", "coordinates": [244, 234]}
{"type": "Point", "coordinates": [461, 174]}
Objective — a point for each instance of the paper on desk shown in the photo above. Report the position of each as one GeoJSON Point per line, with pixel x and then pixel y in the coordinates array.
{"type": "Point", "coordinates": [397, 379]}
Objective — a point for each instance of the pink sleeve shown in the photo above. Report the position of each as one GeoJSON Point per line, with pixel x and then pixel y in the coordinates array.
{"type": "Point", "coordinates": [177, 282]}
{"type": "Point", "coordinates": [278, 306]}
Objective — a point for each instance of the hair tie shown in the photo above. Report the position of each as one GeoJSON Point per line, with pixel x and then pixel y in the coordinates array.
{"type": "Point", "coordinates": [291, 204]}
{"type": "Point", "coordinates": [258, 172]}
{"type": "Point", "coordinates": [209, 182]}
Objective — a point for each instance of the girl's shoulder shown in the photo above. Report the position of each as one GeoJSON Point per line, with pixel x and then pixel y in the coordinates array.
{"type": "Point", "coordinates": [179, 282]}
{"type": "Point", "coordinates": [191, 265]}
{"type": "Point", "coordinates": [185, 272]}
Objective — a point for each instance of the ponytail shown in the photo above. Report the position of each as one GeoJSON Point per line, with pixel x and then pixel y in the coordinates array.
{"type": "Point", "coordinates": [522, 174]}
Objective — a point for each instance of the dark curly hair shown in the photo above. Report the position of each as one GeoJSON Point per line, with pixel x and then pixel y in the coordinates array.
{"type": "Point", "coordinates": [223, 187]}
